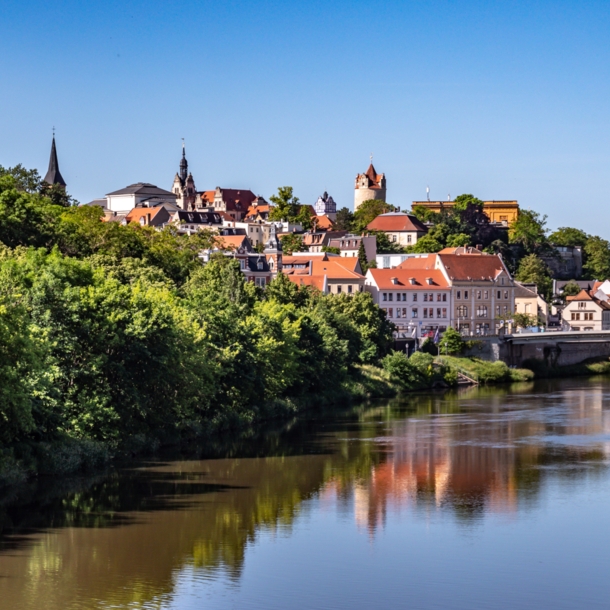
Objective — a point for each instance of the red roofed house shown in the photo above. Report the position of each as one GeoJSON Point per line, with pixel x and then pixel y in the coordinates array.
{"type": "Point", "coordinates": [154, 217]}
{"type": "Point", "coordinates": [417, 301]}
{"type": "Point", "coordinates": [235, 202]}
{"type": "Point", "coordinates": [586, 312]}
{"type": "Point", "coordinates": [403, 229]}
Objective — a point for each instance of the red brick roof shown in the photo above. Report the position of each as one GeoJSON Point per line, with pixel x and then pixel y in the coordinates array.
{"type": "Point", "coordinates": [411, 279]}
{"type": "Point", "coordinates": [323, 223]}
{"type": "Point", "coordinates": [231, 242]}
{"type": "Point", "coordinates": [472, 266]}
{"type": "Point", "coordinates": [396, 221]}
{"type": "Point", "coordinates": [317, 281]}
{"type": "Point", "coordinates": [137, 213]}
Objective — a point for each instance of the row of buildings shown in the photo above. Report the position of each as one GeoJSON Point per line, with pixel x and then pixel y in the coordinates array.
{"type": "Point", "coordinates": [423, 295]}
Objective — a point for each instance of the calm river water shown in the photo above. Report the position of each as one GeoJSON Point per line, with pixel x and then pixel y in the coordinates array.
{"type": "Point", "coordinates": [486, 499]}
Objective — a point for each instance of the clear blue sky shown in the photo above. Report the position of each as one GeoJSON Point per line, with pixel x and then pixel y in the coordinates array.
{"type": "Point", "coordinates": [498, 98]}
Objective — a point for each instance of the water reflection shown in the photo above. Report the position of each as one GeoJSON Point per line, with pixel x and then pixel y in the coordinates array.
{"type": "Point", "coordinates": [126, 539]}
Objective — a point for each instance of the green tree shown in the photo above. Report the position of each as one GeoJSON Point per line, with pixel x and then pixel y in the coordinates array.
{"type": "Point", "coordinates": [292, 242]}
{"type": "Point", "coordinates": [529, 232]}
{"type": "Point", "coordinates": [344, 220]}
{"type": "Point", "coordinates": [567, 236]}
{"type": "Point", "coordinates": [462, 202]}
{"type": "Point", "coordinates": [524, 320]}
{"type": "Point", "coordinates": [27, 180]}
{"type": "Point", "coordinates": [451, 342]}
{"type": "Point", "coordinates": [533, 270]}
{"type": "Point", "coordinates": [384, 245]}
{"type": "Point", "coordinates": [362, 259]}
{"type": "Point", "coordinates": [425, 214]}
{"type": "Point", "coordinates": [286, 204]}
{"type": "Point", "coordinates": [367, 212]}
{"type": "Point", "coordinates": [571, 289]}
{"type": "Point", "coordinates": [597, 251]}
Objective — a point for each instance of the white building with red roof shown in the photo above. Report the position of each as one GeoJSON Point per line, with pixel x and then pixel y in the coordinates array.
{"type": "Point", "coordinates": [402, 229]}
{"type": "Point", "coordinates": [585, 311]}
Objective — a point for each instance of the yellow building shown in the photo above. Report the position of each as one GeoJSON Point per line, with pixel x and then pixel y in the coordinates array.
{"type": "Point", "coordinates": [497, 211]}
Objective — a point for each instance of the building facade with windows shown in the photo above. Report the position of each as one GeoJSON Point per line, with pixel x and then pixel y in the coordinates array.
{"type": "Point", "coordinates": [417, 301]}
{"type": "Point", "coordinates": [402, 229]}
{"type": "Point", "coordinates": [586, 312]}
{"type": "Point", "coordinates": [482, 289]}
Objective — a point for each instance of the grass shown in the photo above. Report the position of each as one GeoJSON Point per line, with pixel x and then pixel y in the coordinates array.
{"type": "Point", "coordinates": [486, 373]}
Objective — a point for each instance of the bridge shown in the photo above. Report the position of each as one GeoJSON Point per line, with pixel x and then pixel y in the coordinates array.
{"type": "Point", "coordinates": [561, 348]}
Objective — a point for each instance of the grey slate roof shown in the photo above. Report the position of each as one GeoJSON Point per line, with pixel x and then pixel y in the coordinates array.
{"type": "Point", "coordinates": [206, 218]}
{"type": "Point", "coordinates": [143, 188]}
{"type": "Point", "coordinates": [53, 176]}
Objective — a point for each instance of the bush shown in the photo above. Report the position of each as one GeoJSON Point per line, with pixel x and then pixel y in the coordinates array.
{"type": "Point", "coordinates": [429, 347]}
{"type": "Point", "coordinates": [451, 342]}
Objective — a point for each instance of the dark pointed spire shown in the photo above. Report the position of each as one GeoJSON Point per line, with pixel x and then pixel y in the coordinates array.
{"type": "Point", "coordinates": [184, 166]}
{"type": "Point", "coordinates": [53, 176]}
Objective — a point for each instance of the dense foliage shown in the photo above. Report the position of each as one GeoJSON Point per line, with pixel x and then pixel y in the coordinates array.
{"type": "Point", "coordinates": [110, 331]}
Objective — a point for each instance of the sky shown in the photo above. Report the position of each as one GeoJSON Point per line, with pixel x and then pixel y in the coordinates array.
{"type": "Point", "coordinates": [501, 99]}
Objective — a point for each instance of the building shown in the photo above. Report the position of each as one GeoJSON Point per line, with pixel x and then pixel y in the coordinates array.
{"type": "Point", "coordinates": [417, 301]}
{"type": "Point", "coordinates": [184, 185]}
{"type": "Point", "coordinates": [329, 273]}
{"type": "Point", "coordinates": [140, 194]}
{"type": "Point", "coordinates": [401, 228]}
{"type": "Point", "coordinates": [190, 222]}
{"type": "Point", "coordinates": [529, 302]}
{"type": "Point", "coordinates": [53, 175]}
{"type": "Point", "coordinates": [369, 185]}
{"type": "Point", "coordinates": [235, 202]}
{"type": "Point", "coordinates": [500, 212]}
{"type": "Point", "coordinates": [586, 312]}
{"type": "Point", "coordinates": [482, 289]}
{"type": "Point", "coordinates": [156, 217]}
{"type": "Point", "coordinates": [326, 206]}
{"type": "Point", "coordinates": [259, 210]}
{"type": "Point", "coordinates": [390, 261]}
{"type": "Point", "coordinates": [314, 241]}
{"type": "Point", "coordinates": [565, 263]}
{"type": "Point", "coordinates": [349, 245]}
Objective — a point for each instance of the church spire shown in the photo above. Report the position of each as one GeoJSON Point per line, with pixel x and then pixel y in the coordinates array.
{"type": "Point", "coordinates": [184, 166]}
{"type": "Point", "coordinates": [53, 175]}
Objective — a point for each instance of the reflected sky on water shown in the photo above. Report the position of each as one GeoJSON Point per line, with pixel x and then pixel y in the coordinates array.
{"type": "Point", "coordinates": [483, 498]}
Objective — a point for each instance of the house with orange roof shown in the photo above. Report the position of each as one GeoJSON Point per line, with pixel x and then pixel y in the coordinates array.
{"type": "Point", "coordinates": [585, 311]}
{"type": "Point", "coordinates": [153, 217]}
{"type": "Point", "coordinates": [329, 271]}
{"type": "Point", "coordinates": [418, 301]}
{"type": "Point", "coordinates": [401, 228]}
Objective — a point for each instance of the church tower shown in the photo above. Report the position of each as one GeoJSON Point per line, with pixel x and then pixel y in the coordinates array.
{"type": "Point", "coordinates": [184, 184]}
{"type": "Point", "coordinates": [326, 206]}
{"type": "Point", "coordinates": [369, 185]}
{"type": "Point", "coordinates": [53, 176]}
{"type": "Point", "coordinates": [273, 251]}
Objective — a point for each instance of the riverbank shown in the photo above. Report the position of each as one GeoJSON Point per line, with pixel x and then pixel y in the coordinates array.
{"type": "Point", "coordinates": [397, 375]}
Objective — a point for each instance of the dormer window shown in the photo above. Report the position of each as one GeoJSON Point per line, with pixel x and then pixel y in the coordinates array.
{"type": "Point", "coordinates": [259, 265]}
{"type": "Point", "coordinates": [394, 280]}
{"type": "Point", "coordinates": [412, 281]}
{"type": "Point", "coordinates": [429, 281]}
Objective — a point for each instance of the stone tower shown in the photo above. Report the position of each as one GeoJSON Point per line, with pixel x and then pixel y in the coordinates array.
{"type": "Point", "coordinates": [53, 176]}
{"type": "Point", "coordinates": [184, 185]}
{"type": "Point", "coordinates": [369, 185]}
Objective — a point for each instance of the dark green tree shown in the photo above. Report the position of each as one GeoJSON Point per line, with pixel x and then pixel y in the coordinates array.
{"type": "Point", "coordinates": [533, 270]}
{"type": "Point", "coordinates": [344, 220]}
{"type": "Point", "coordinates": [367, 212]}
{"type": "Point", "coordinates": [597, 251]}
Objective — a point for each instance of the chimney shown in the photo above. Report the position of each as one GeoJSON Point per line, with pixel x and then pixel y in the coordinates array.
{"type": "Point", "coordinates": [147, 219]}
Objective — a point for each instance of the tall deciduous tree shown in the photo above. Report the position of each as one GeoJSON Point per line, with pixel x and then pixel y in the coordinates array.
{"type": "Point", "coordinates": [286, 204]}
{"type": "Point", "coordinates": [533, 270]}
{"type": "Point", "coordinates": [529, 231]}
{"type": "Point", "coordinates": [597, 252]}
{"type": "Point", "coordinates": [367, 212]}
{"type": "Point", "coordinates": [344, 220]}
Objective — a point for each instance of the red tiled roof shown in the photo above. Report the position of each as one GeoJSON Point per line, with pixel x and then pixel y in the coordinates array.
{"type": "Point", "coordinates": [583, 295]}
{"type": "Point", "coordinates": [323, 223]}
{"type": "Point", "coordinates": [425, 261]}
{"type": "Point", "coordinates": [317, 281]}
{"type": "Point", "coordinates": [333, 269]}
{"type": "Point", "coordinates": [396, 222]}
{"type": "Point", "coordinates": [231, 242]}
{"type": "Point", "coordinates": [472, 266]}
{"type": "Point", "coordinates": [255, 210]}
{"type": "Point", "coordinates": [373, 176]}
{"type": "Point", "coordinates": [383, 279]}
{"type": "Point", "coordinates": [237, 199]}
{"type": "Point", "coordinates": [208, 196]}
{"type": "Point", "coordinates": [137, 213]}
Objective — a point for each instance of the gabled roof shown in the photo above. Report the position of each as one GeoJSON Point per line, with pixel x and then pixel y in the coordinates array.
{"type": "Point", "coordinates": [397, 221]}
{"type": "Point", "coordinates": [233, 242]}
{"type": "Point", "coordinates": [473, 267]}
{"type": "Point", "coordinates": [408, 279]}
{"type": "Point", "coordinates": [323, 223]}
{"type": "Point", "coordinates": [424, 261]}
{"type": "Point", "coordinates": [583, 295]}
{"type": "Point", "coordinates": [137, 214]}
{"type": "Point", "coordinates": [143, 188]}
{"type": "Point", "coordinates": [207, 196]}
{"type": "Point", "coordinates": [237, 199]}
{"type": "Point", "coordinates": [255, 210]}
{"type": "Point", "coordinates": [333, 270]}
{"type": "Point", "coordinates": [206, 218]}
{"type": "Point", "coordinates": [317, 281]}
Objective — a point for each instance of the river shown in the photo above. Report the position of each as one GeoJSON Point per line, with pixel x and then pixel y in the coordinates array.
{"type": "Point", "coordinates": [481, 498]}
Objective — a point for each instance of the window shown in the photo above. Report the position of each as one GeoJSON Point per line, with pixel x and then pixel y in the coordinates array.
{"type": "Point", "coordinates": [527, 308]}
{"type": "Point", "coordinates": [404, 297]}
{"type": "Point", "coordinates": [384, 296]}
{"type": "Point", "coordinates": [260, 281]}
{"type": "Point", "coordinates": [486, 295]}
{"type": "Point", "coordinates": [430, 312]}
{"type": "Point", "coordinates": [390, 296]}
{"type": "Point", "coordinates": [349, 289]}
{"type": "Point", "coordinates": [462, 311]}
{"type": "Point", "coordinates": [431, 297]}
{"type": "Point", "coordinates": [481, 311]}
{"type": "Point", "coordinates": [575, 315]}
{"type": "Point", "coordinates": [339, 289]}
{"type": "Point", "coordinates": [479, 294]}
{"type": "Point", "coordinates": [414, 312]}
{"type": "Point", "coordinates": [465, 294]}
{"type": "Point", "coordinates": [505, 309]}
{"type": "Point", "coordinates": [502, 281]}
{"type": "Point", "coordinates": [438, 297]}
{"type": "Point", "coordinates": [425, 312]}
{"type": "Point", "coordinates": [398, 312]}
{"type": "Point", "coordinates": [390, 312]}
{"type": "Point", "coordinates": [404, 312]}
{"type": "Point", "coordinates": [386, 262]}
{"type": "Point", "coordinates": [582, 305]}
{"type": "Point", "coordinates": [409, 239]}
{"type": "Point", "coordinates": [444, 297]}
{"type": "Point", "coordinates": [444, 312]}
{"type": "Point", "coordinates": [393, 238]}
{"type": "Point", "coordinates": [415, 297]}
{"type": "Point", "coordinates": [459, 294]}
{"type": "Point", "coordinates": [497, 310]}
{"type": "Point", "coordinates": [588, 316]}
{"type": "Point", "coordinates": [499, 294]}
{"type": "Point", "coordinates": [438, 312]}
{"type": "Point", "coordinates": [425, 297]}
{"type": "Point", "coordinates": [506, 294]}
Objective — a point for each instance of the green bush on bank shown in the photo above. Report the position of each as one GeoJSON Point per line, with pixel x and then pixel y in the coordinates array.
{"type": "Point", "coordinates": [484, 372]}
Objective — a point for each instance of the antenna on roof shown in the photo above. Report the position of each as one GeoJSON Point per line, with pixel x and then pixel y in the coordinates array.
{"type": "Point", "coordinates": [371, 158]}
{"type": "Point", "coordinates": [183, 147]}
{"type": "Point", "coordinates": [428, 192]}
{"type": "Point", "coordinates": [448, 196]}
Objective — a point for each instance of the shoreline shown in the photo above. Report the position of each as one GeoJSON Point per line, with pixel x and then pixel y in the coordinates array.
{"type": "Point", "coordinates": [72, 457]}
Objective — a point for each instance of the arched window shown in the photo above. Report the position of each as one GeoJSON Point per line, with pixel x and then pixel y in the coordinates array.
{"type": "Point", "coordinates": [462, 311]}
